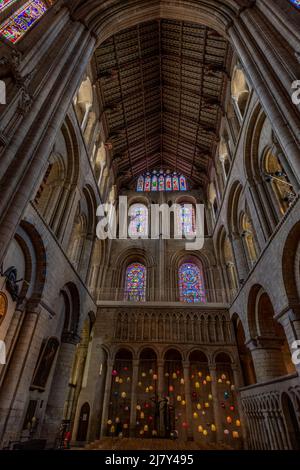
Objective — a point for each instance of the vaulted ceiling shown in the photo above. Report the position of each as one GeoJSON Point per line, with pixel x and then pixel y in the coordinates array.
{"type": "Point", "coordinates": [163, 85]}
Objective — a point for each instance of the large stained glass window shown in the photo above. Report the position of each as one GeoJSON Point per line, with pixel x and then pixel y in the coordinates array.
{"type": "Point", "coordinates": [161, 181]}
{"type": "Point", "coordinates": [138, 224]}
{"type": "Point", "coordinates": [14, 28]}
{"type": "Point", "coordinates": [191, 283]}
{"type": "Point", "coordinates": [135, 284]}
{"type": "Point", "coordinates": [296, 3]}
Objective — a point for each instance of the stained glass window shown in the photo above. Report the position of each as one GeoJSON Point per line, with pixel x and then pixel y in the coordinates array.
{"type": "Point", "coordinates": [160, 180]}
{"type": "Point", "coordinates": [187, 220]}
{"type": "Point", "coordinates": [296, 3]}
{"type": "Point", "coordinates": [175, 182]}
{"type": "Point", "coordinates": [168, 183]}
{"type": "Point", "coordinates": [147, 186]}
{"type": "Point", "coordinates": [182, 183]}
{"type": "Point", "coordinates": [14, 28]}
{"type": "Point", "coordinates": [154, 183]}
{"type": "Point", "coordinates": [135, 287]}
{"type": "Point", "coordinates": [191, 284]}
{"type": "Point", "coordinates": [140, 184]}
{"type": "Point", "coordinates": [138, 225]}
{"type": "Point", "coordinates": [5, 3]}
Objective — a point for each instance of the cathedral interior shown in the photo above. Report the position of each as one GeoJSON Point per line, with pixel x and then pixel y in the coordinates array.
{"type": "Point", "coordinates": [135, 338]}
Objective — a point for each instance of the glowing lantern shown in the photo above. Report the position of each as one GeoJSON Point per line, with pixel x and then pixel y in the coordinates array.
{"type": "Point", "coordinates": [146, 427]}
{"type": "Point", "coordinates": [109, 422]}
{"type": "Point", "coordinates": [223, 377]}
{"type": "Point", "coordinates": [228, 382]}
{"type": "Point", "coordinates": [120, 381]}
{"type": "Point", "coordinates": [183, 402]}
{"type": "Point", "coordinates": [232, 387]}
{"type": "Point", "coordinates": [185, 425]}
{"type": "Point", "coordinates": [143, 374]}
{"type": "Point", "coordinates": [197, 385]}
{"type": "Point", "coordinates": [179, 398]}
{"type": "Point", "coordinates": [147, 389]}
{"type": "Point", "coordinates": [204, 382]}
{"type": "Point", "coordinates": [128, 379]}
{"type": "Point", "coordinates": [141, 432]}
{"type": "Point", "coordinates": [229, 419]}
{"type": "Point", "coordinates": [204, 413]}
{"type": "Point", "coordinates": [125, 426]}
{"type": "Point", "coordinates": [208, 378]}
{"type": "Point", "coordinates": [195, 415]}
{"type": "Point", "coordinates": [171, 388]}
{"type": "Point", "coordinates": [206, 404]}
{"type": "Point", "coordinates": [150, 371]}
{"type": "Point", "coordinates": [123, 394]}
{"type": "Point", "coordinates": [219, 381]}
{"type": "Point", "coordinates": [154, 377]}
{"type": "Point", "coordinates": [126, 408]}
{"type": "Point", "coordinates": [235, 434]}
{"type": "Point", "coordinates": [138, 407]}
{"type": "Point", "coordinates": [112, 429]}
{"type": "Point", "coordinates": [117, 420]}
{"type": "Point", "coordinates": [200, 428]}
{"type": "Point", "coordinates": [210, 397]}
{"type": "Point", "coordinates": [166, 374]}
{"type": "Point", "coordinates": [117, 379]}
{"type": "Point", "coordinates": [226, 432]}
{"type": "Point", "coordinates": [174, 376]}
{"type": "Point", "coordinates": [199, 406]}
{"type": "Point", "coordinates": [114, 373]}
{"type": "Point", "coordinates": [205, 432]}
{"type": "Point", "coordinates": [154, 432]}
{"type": "Point", "coordinates": [226, 395]}
{"type": "Point", "coordinates": [213, 428]}
{"type": "Point", "coordinates": [200, 374]}
{"type": "Point", "coordinates": [142, 416]}
{"type": "Point", "coordinates": [182, 381]}
{"type": "Point", "coordinates": [139, 384]}
{"type": "Point", "coordinates": [238, 423]}
{"type": "Point", "coordinates": [150, 388]}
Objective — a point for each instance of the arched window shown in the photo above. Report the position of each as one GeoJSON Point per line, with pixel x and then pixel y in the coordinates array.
{"type": "Point", "coordinates": [279, 185]}
{"type": "Point", "coordinates": [186, 222]}
{"type": "Point", "coordinates": [140, 184]}
{"type": "Point", "coordinates": [249, 240]}
{"type": "Point", "coordinates": [240, 91]}
{"type": "Point", "coordinates": [161, 183]}
{"type": "Point", "coordinates": [182, 182]}
{"type": "Point", "coordinates": [154, 186]}
{"type": "Point", "coordinates": [191, 283]}
{"type": "Point", "coordinates": [175, 182]}
{"type": "Point", "coordinates": [168, 183]}
{"type": "Point", "coordinates": [138, 225]}
{"type": "Point", "coordinates": [135, 283]}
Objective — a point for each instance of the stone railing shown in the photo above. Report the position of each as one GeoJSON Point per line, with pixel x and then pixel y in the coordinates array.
{"type": "Point", "coordinates": [269, 420]}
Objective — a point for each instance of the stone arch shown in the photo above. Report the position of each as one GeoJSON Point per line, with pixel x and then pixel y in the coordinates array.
{"type": "Point", "coordinates": [290, 270]}
{"type": "Point", "coordinates": [233, 207]}
{"type": "Point", "coordinates": [239, 90]}
{"type": "Point", "coordinates": [71, 299]}
{"type": "Point", "coordinates": [244, 353]}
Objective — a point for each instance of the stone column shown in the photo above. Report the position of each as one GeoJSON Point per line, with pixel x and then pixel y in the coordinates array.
{"type": "Point", "coordinates": [59, 390]}
{"type": "Point", "coordinates": [135, 373]}
{"type": "Point", "coordinates": [160, 390]}
{"type": "Point", "coordinates": [239, 255]}
{"type": "Point", "coordinates": [188, 399]}
{"type": "Point", "coordinates": [214, 392]}
{"type": "Point", "coordinates": [267, 358]}
{"type": "Point", "coordinates": [106, 398]}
